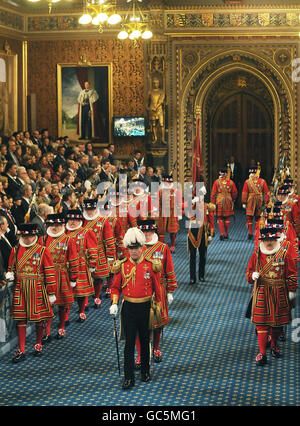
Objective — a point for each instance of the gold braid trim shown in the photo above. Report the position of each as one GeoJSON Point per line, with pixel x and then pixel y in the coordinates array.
{"type": "Point", "coordinates": [116, 266]}
{"type": "Point", "coordinates": [156, 264]}
{"type": "Point", "coordinates": [128, 277]}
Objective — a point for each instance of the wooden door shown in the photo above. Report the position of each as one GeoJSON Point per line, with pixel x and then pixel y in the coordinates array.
{"type": "Point", "coordinates": [241, 126]}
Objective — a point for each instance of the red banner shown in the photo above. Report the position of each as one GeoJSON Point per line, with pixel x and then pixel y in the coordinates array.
{"type": "Point", "coordinates": [198, 166]}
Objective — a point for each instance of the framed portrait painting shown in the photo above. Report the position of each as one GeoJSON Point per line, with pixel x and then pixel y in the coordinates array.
{"type": "Point", "coordinates": [84, 96]}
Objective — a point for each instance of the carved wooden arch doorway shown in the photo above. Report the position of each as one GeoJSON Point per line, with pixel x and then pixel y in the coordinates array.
{"type": "Point", "coordinates": [240, 123]}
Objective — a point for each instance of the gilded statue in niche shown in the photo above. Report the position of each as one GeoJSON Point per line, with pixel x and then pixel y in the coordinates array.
{"type": "Point", "coordinates": [156, 101]}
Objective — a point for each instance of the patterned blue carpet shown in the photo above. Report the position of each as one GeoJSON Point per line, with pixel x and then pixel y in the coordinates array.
{"type": "Point", "coordinates": [209, 348]}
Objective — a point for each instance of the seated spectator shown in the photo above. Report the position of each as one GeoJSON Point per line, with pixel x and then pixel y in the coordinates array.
{"type": "Point", "coordinates": [11, 171]}
{"type": "Point", "coordinates": [89, 150]}
{"type": "Point", "coordinates": [3, 153]}
{"type": "Point", "coordinates": [42, 212]}
{"type": "Point", "coordinates": [60, 158]}
{"type": "Point", "coordinates": [58, 170]}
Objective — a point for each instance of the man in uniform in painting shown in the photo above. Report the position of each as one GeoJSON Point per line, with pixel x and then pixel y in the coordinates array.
{"type": "Point", "coordinates": [87, 97]}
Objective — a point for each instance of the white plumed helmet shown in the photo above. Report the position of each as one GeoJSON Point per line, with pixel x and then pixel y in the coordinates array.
{"type": "Point", "coordinates": [134, 238]}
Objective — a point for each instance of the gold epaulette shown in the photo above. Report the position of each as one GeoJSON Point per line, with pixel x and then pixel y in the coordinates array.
{"type": "Point", "coordinates": [211, 207]}
{"type": "Point", "coordinates": [116, 266]}
{"type": "Point", "coordinates": [156, 264]}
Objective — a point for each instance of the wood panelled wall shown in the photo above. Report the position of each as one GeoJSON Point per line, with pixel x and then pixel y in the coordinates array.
{"type": "Point", "coordinates": [128, 74]}
{"type": "Point", "coordinates": [16, 48]}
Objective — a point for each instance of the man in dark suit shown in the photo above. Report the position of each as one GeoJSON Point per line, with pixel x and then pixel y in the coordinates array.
{"type": "Point", "coordinates": [5, 206]}
{"type": "Point", "coordinates": [20, 212]}
{"type": "Point", "coordinates": [5, 246]}
{"type": "Point", "coordinates": [11, 152]}
{"type": "Point", "coordinates": [236, 175]}
{"type": "Point", "coordinates": [42, 212]}
{"type": "Point", "coordinates": [138, 160]}
{"type": "Point", "coordinates": [111, 156]}
{"type": "Point", "coordinates": [11, 171]}
{"type": "Point", "coordinates": [105, 175]}
{"type": "Point", "coordinates": [60, 158]}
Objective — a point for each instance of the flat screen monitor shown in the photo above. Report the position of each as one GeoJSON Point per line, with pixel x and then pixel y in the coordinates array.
{"type": "Point", "coordinates": [128, 126]}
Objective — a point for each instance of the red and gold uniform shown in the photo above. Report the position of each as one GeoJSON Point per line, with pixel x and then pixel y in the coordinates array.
{"type": "Point", "coordinates": [255, 192]}
{"type": "Point", "coordinates": [86, 245]}
{"type": "Point", "coordinates": [170, 207]}
{"type": "Point", "coordinates": [35, 283]}
{"type": "Point", "coordinates": [35, 280]}
{"type": "Point", "coordinates": [65, 259]}
{"type": "Point", "coordinates": [106, 247]}
{"type": "Point", "coordinates": [140, 205]}
{"type": "Point", "coordinates": [158, 253]}
{"type": "Point", "coordinates": [137, 282]}
{"type": "Point", "coordinates": [223, 195]}
{"type": "Point", "coordinates": [291, 213]}
{"type": "Point", "coordinates": [277, 276]}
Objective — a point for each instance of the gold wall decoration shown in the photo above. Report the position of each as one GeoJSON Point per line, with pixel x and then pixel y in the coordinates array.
{"type": "Point", "coordinates": [127, 74]}
{"type": "Point", "coordinates": [8, 91]}
{"type": "Point", "coordinates": [193, 81]}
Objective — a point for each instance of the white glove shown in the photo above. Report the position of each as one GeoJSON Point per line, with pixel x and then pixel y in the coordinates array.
{"type": "Point", "coordinates": [209, 238]}
{"type": "Point", "coordinates": [195, 200]}
{"type": "Point", "coordinates": [113, 310]}
{"type": "Point", "coordinates": [73, 284]}
{"type": "Point", "coordinates": [292, 295]}
{"type": "Point", "coordinates": [9, 276]}
{"type": "Point", "coordinates": [170, 298]}
{"type": "Point", "coordinates": [110, 259]}
{"type": "Point", "coordinates": [92, 270]}
{"type": "Point", "coordinates": [244, 206]}
{"type": "Point", "coordinates": [255, 275]}
{"type": "Point", "coordinates": [52, 299]}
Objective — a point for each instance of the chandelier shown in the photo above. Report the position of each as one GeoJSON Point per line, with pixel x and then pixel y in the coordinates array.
{"type": "Point", "coordinates": [50, 3]}
{"type": "Point", "coordinates": [99, 12]}
{"type": "Point", "coordinates": [135, 24]}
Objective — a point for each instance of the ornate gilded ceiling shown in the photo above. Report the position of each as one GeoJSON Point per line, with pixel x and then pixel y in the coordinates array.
{"type": "Point", "coordinates": [24, 6]}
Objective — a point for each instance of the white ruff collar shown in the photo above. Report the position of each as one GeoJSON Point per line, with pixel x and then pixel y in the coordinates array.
{"type": "Point", "coordinates": [268, 252]}
{"type": "Point", "coordinates": [55, 235]}
{"type": "Point", "coordinates": [153, 241]}
{"type": "Point", "coordinates": [74, 229]}
{"type": "Point", "coordinates": [90, 217]}
{"type": "Point", "coordinates": [167, 186]}
{"type": "Point", "coordinates": [22, 244]}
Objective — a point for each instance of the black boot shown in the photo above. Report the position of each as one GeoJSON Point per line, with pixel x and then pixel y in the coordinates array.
{"type": "Point", "coordinates": [145, 377]}
{"type": "Point", "coordinates": [127, 384]}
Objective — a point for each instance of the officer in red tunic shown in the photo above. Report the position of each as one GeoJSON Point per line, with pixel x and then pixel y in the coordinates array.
{"type": "Point", "coordinates": [86, 246]}
{"type": "Point", "coordinates": [274, 274]}
{"type": "Point", "coordinates": [65, 259]}
{"type": "Point", "coordinates": [170, 210]}
{"type": "Point", "coordinates": [254, 195]}
{"type": "Point", "coordinates": [31, 267]}
{"type": "Point", "coordinates": [137, 282]}
{"type": "Point", "coordinates": [159, 253]}
{"type": "Point", "coordinates": [106, 247]}
{"type": "Point", "coordinates": [223, 195]}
